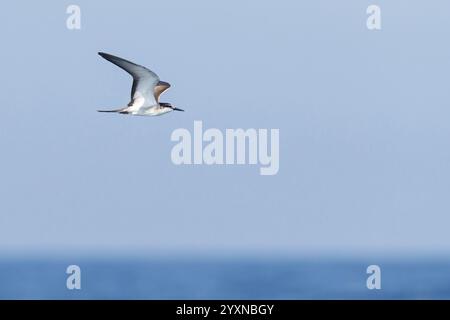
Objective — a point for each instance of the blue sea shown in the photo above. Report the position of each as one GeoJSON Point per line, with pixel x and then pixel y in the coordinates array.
{"type": "Point", "coordinates": [223, 278]}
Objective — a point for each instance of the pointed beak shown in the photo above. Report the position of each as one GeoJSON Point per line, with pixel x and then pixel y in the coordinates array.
{"type": "Point", "coordinates": [177, 109]}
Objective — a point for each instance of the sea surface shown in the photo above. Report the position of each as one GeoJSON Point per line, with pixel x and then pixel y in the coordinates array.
{"type": "Point", "coordinates": [227, 278]}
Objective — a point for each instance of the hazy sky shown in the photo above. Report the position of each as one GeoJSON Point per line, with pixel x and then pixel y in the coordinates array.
{"type": "Point", "coordinates": [363, 118]}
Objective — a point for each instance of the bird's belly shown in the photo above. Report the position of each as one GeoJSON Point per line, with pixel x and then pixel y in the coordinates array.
{"type": "Point", "coordinates": [155, 111]}
{"type": "Point", "coordinates": [149, 111]}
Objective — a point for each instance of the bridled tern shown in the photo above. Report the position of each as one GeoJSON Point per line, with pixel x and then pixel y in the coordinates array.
{"type": "Point", "coordinates": [145, 91]}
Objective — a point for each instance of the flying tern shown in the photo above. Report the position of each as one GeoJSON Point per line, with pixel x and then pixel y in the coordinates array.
{"type": "Point", "coordinates": [145, 92]}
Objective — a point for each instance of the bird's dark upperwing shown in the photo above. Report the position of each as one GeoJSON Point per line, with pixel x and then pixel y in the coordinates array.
{"type": "Point", "coordinates": [144, 80]}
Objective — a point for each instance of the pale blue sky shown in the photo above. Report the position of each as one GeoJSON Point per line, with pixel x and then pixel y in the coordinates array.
{"type": "Point", "coordinates": [363, 119]}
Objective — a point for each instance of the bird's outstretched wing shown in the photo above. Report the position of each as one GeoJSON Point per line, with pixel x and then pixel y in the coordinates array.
{"type": "Point", "coordinates": [160, 87]}
{"type": "Point", "coordinates": [144, 80]}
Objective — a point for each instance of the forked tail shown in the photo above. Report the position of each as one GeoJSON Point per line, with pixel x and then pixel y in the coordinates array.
{"type": "Point", "coordinates": [121, 110]}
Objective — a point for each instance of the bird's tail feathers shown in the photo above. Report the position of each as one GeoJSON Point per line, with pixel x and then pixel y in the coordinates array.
{"type": "Point", "coordinates": [121, 110]}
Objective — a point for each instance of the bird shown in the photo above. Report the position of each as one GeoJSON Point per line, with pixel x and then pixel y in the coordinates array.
{"type": "Point", "coordinates": [145, 92]}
